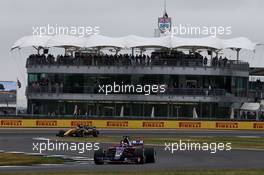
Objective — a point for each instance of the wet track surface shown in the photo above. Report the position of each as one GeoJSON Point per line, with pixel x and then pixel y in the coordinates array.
{"type": "Point", "coordinates": [21, 141]}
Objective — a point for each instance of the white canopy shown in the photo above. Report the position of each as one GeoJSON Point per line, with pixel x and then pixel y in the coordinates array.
{"type": "Point", "coordinates": [250, 106]}
{"type": "Point", "coordinates": [132, 41]}
{"type": "Point", "coordinates": [103, 41]}
{"type": "Point", "coordinates": [207, 42]}
{"type": "Point", "coordinates": [241, 42]}
{"type": "Point", "coordinates": [31, 41]}
{"type": "Point", "coordinates": [137, 41]}
{"type": "Point", "coordinates": [65, 41]}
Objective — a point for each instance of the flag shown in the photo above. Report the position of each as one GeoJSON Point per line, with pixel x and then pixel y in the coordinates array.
{"type": "Point", "coordinates": [18, 84]}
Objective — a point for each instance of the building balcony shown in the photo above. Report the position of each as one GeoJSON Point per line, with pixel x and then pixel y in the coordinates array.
{"type": "Point", "coordinates": [170, 95]}
{"type": "Point", "coordinates": [158, 66]}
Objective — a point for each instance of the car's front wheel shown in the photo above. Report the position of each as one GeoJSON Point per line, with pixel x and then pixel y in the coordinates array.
{"type": "Point", "coordinates": [99, 157]}
{"type": "Point", "coordinates": [95, 133]}
{"type": "Point", "coordinates": [150, 155]}
{"type": "Point", "coordinates": [61, 133]}
{"type": "Point", "coordinates": [140, 157]}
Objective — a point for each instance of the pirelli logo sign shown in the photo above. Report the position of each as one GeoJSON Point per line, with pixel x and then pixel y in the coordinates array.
{"type": "Point", "coordinates": [121, 124]}
{"type": "Point", "coordinates": [190, 124]}
{"type": "Point", "coordinates": [46, 123]}
{"type": "Point", "coordinates": [153, 124]}
{"type": "Point", "coordinates": [258, 125]}
{"type": "Point", "coordinates": [11, 122]}
{"type": "Point", "coordinates": [81, 122]}
{"type": "Point", "coordinates": [226, 125]}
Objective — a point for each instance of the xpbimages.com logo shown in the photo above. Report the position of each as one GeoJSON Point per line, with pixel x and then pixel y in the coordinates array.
{"type": "Point", "coordinates": [50, 145]}
{"type": "Point", "coordinates": [192, 30]}
{"type": "Point", "coordinates": [79, 31]}
{"type": "Point", "coordinates": [188, 145]}
{"type": "Point", "coordinates": [122, 88]}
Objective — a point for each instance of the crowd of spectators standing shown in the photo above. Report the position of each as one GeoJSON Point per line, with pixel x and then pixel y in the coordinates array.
{"type": "Point", "coordinates": [45, 85]}
{"type": "Point", "coordinates": [156, 58]}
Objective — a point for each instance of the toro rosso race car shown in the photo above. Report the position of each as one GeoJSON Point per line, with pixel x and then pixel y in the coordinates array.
{"type": "Point", "coordinates": [79, 131]}
{"type": "Point", "coordinates": [126, 152]}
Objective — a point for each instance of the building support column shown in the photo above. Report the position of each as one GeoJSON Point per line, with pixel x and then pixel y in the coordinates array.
{"type": "Point", "coordinates": [97, 109]}
{"type": "Point", "coordinates": [143, 109]}
{"type": "Point", "coordinates": [168, 109]}
{"type": "Point", "coordinates": [210, 113]}
{"type": "Point", "coordinates": [201, 109]}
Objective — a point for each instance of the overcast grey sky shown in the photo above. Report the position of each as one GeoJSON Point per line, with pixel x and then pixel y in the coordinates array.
{"type": "Point", "coordinates": [119, 18]}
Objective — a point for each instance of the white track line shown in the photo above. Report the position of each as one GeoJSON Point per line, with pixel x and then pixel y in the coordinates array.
{"type": "Point", "coordinates": [246, 137]}
{"type": "Point", "coordinates": [41, 138]}
{"type": "Point", "coordinates": [82, 159]}
{"type": "Point", "coordinates": [15, 166]}
{"type": "Point", "coordinates": [160, 145]}
{"type": "Point", "coordinates": [15, 152]}
{"type": "Point", "coordinates": [35, 154]}
{"type": "Point", "coordinates": [249, 149]}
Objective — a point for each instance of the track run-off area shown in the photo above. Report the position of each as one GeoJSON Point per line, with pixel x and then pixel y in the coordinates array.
{"type": "Point", "coordinates": [20, 140]}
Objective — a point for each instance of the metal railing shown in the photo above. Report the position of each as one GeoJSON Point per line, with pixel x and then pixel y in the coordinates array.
{"type": "Point", "coordinates": [84, 117]}
{"type": "Point", "coordinates": [95, 90]}
{"type": "Point", "coordinates": [176, 62]}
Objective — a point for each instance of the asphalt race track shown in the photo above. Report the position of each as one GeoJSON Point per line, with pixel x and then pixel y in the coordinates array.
{"type": "Point", "coordinates": [20, 140]}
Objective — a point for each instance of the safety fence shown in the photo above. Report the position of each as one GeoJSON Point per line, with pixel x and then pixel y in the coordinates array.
{"type": "Point", "coordinates": [132, 124]}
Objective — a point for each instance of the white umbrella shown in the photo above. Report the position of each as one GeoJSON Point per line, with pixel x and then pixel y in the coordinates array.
{"type": "Point", "coordinates": [232, 114]}
{"type": "Point", "coordinates": [153, 112]}
{"type": "Point", "coordinates": [195, 116]}
{"type": "Point", "coordinates": [122, 111]}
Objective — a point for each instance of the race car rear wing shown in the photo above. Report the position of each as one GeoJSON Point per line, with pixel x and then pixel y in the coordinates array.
{"type": "Point", "coordinates": [137, 142]}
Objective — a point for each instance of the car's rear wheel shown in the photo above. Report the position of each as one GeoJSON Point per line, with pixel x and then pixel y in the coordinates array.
{"type": "Point", "coordinates": [99, 157]}
{"type": "Point", "coordinates": [150, 155]}
{"type": "Point", "coordinates": [80, 133]}
{"type": "Point", "coordinates": [140, 157]}
{"type": "Point", "coordinates": [95, 133]}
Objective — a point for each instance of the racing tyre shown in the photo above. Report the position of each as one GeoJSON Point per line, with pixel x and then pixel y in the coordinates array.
{"type": "Point", "coordinates": [139, 154]}
{"type": "Point", "coordinates": [80, 133]}
{"type": "Point", "coordinates": [150, 155]}
{"type": "Point", "coordinates": [61, 133]}
{"type": "Point", "coordinates": [95, 133]}
{"type": "Point", "coordinates": [99, 157]}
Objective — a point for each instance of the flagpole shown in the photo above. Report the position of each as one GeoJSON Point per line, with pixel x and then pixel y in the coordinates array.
{"type": "Point", "coordinates": [165, 6]}
{"type": "Point", "coordinates": [16, 94]}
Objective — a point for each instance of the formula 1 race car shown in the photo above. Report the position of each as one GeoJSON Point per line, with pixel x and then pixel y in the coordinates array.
{"type": "Point", "coordinates": [126, 152]}
{"type": "Point", "coordinates": [79, 131]}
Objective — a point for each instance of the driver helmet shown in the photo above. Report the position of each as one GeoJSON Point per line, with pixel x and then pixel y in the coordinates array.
{"type": "Point", "coordinates": [126, 140]}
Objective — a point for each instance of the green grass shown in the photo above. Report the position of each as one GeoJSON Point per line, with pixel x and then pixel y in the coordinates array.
{"type": "Point", "coordinates": [179, 172]}
{"type": "Point", "coordinates": [8, 159]}
{"type": "Point", "coordinates": [245, 143]}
